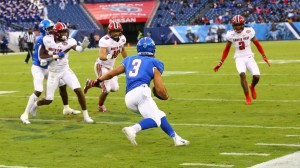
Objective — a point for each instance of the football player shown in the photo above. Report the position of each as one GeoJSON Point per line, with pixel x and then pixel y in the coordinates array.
{"type": "Point", "coordinates": [111, 45]}
{"type": "Point", "coordinates": [56, 51]}
{"type": "Point", "coordinates": [140, 70]}
{"type": "Point", "coordinates": [40, 71]}
{"type": "Point", "coordinates": [241, 37]}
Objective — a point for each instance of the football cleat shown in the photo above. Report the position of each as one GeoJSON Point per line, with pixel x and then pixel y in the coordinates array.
{"type": "Point", "coordinates": [88, 85]}
{"type": "Point", "coordinates": [178, 141]}
{"type": "Point", "coordinates": [253, 92]}
{"type": "Point", "coordinates": [24, 119]}
{"type": "Point", "coordinates": [88, 120]}
{"type": "Point", "coordinates": [102, 109]}
{"type": "Point", "coordinates": [68, 111]}
{"type": "Point", "coordinates": [33, 110]}
{"type": "Point", "coordinates": [130, 134]}
{"type": "Point", "coordinates": [248, 101]}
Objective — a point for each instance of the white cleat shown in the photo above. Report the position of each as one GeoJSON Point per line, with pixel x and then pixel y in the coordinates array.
{"type": "Point", "coordinates": [130, 134]}
{"type": "Point", "coordinates": [24, 119]}
{"type": "Point", "coordinates": [70, 111]}
{"type": "Point", "coordinates": [89, 120]}
{"type": "Point", "coordinates": [178, 141]}
{"type": "Point", "coordinates": [33, 110]}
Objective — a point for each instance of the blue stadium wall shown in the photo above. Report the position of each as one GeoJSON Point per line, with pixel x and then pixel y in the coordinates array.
{"type": "Point", "coordinates": [208, 33]}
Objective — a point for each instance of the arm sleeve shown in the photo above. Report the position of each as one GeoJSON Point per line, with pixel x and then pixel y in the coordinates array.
{"type": "Point", "coordinates": [259, 47]}
{"type": "Point", "coordinates": [225, 52]}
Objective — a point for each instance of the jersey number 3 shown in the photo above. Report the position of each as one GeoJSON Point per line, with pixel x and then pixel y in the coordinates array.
{"type": "Point", "coordinates": [241, 45]}
{"type": "Point", "coordinates": [136, 63]}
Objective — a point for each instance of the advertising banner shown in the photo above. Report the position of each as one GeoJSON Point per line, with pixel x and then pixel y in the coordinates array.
{"type": "Point", "coordinates": [125, 12]}
{"type": "Point", "coordinates": [216, 33]}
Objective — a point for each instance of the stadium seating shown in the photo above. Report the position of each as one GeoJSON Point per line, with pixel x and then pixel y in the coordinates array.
{"type": "Point", "coordinates": [176, 13]}
{"type": "Point", "coordinates": [72, 14]}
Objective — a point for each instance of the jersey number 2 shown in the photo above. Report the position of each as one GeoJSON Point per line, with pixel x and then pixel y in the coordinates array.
{"type": "Point", "coordinates": [136, 63]}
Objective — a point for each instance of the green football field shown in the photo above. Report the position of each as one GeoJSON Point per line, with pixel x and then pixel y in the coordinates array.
{"type": "Point", "coordinates": [206, 107]}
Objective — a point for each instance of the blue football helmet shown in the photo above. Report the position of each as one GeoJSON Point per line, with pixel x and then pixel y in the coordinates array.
{"type": "Point", "coordinates": [146, 46]}
{"type": "Point", "coordinates": [44, 25]}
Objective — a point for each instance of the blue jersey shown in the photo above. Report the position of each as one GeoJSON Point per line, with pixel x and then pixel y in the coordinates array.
{"type": "Point", "coordinates": [140, 70]}
{"type": "Point", "coordinates": [36, 61]}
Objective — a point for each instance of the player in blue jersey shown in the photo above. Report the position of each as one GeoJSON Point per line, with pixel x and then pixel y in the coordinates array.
{"type": "Point", "coordinates": [39, 71]}
{"type": "Point", "coordinates": [140, 70]}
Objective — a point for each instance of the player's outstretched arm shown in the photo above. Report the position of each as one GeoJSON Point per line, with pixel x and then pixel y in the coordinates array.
{"type": "Point", "coordinates": [159, 89]}
{"type": "Point", "coordinates": [49, 55]}
{"type": "Point", "coordinates": [82, 45]}
{"type": "Point", "coordinates": [102, 54]}
{"type": "Point", "coordinates": [224, 56]}
{"type": "Point", "coordinates": [261, 50]}
{"type": "Point", "coordinates": [124, 53]}
{"type": "Point", "coordinates": [110, 74]}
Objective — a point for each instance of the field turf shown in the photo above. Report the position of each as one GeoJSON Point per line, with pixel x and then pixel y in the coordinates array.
{"type": "Point", "coordinates": [206, 107]}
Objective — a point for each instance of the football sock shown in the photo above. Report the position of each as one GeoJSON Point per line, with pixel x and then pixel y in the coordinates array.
{"type": "Point", "coordinates": [247, 94]}
{"type": "Point", "coordinates": [31, 101]}
{"type": "Point", "coordinates": [147, 123]}
{"type": "Point", "coordinates": [137, 127]}
{"type": "Point", "coordinates": [85, 114]}
{"type": "Point", "coordinates": [167, 128]}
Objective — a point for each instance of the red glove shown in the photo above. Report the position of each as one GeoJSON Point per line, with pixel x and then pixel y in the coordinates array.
{"type": "Point", "coordinates": [266, 60]}
{"type": "Point", "coordinates": [218, 66]}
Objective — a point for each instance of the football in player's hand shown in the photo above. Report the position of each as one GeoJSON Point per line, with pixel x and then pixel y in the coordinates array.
{"type": "Point", "coordinates": [155, 93]}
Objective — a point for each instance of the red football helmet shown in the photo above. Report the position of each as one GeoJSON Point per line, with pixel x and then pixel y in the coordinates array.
{"type": "Point", "coordinates": [60, 31]}
{"type": "Point", "coordinates": [238, 23]}
{"type": "Point", "coordinates": [115, 30]}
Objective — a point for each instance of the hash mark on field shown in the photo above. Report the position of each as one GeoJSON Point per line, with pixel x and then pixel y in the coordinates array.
{"type": "Point", "coordinates": [289, 145]}
{"type": "Point", "coordinates": [245, 154]}
{"type": "Point", "coordinates": [14, 166]}
{"type": "Point", "coordinates": [203, 164]}
{"type": "Point", "coordinates": [5, 92]}
{"type": "Point", "coordinates": [292, 135]}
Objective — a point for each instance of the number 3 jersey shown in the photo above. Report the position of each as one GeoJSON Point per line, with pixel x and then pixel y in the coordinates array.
{"type": "Point", "coordinates": [241, 41]}
{"type": "Point", "coordinates": [140, 70]}
{"type": "Point", "coordinates": [113, 47]}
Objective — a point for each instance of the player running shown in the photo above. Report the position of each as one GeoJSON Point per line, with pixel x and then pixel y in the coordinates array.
{"type": "Point", "coordinates": [110, 46]}
{"type": "Point", "coordinates": [241, 37]}
{"type": "Point", "coordinates": [140, 70]}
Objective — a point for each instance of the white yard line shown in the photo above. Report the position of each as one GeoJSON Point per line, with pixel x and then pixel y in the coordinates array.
{"type": "Point", "coordinates": [288, 145]}
{"type": "Point", "coordinates": [244, 154]}
{"type": "Point", "coordinates": [179, 124]}
{"type": "Point", "coordinates": [14, 166]}
{"type": "Point", "coordinates": [292, 135]}
{"type": "Point", "coordinates": [180, 99]}
{"type": "Point", "coordinates": [204, 164]}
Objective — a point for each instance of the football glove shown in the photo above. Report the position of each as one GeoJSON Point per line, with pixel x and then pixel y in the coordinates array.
{"type": "Point", "coordinates": [43, 62]}
{"type": "Point", "coordinates": [218, 66]}
{"type": "Point", "coordinates": [84, 43]}
{"type": "Point", "coordinates": [61, 54]}
{"type": "Point", "coordinates": [98, 81]}
{"type": "Point", "coordinates": [108, 56]}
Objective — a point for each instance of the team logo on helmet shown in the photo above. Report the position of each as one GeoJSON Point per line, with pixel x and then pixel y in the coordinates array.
{"type": "Point", "coordinates": [238, 23]}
